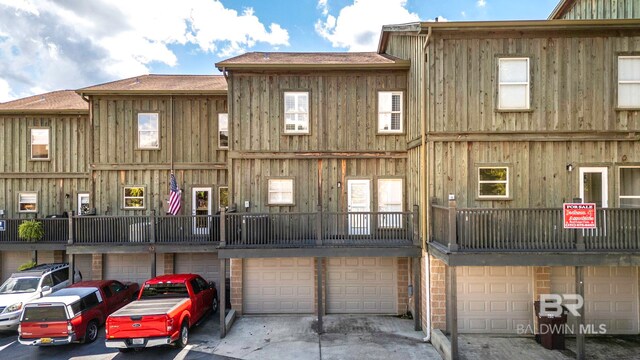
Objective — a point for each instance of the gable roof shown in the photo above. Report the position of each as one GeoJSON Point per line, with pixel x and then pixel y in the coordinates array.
{"type": "Point", "coordinates": [154, 84]}
{"type": "Point", "coordinates": [56, 102]}
{"type": "Point", "coordinates": [313, 61]}
{"type": "Point", "coordinates": [561, 9]}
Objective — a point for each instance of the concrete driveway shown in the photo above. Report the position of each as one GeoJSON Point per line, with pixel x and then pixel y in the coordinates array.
{"type": "Point", "coordinates": [345, 337]}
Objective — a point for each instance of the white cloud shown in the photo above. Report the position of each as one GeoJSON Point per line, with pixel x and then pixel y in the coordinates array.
{"type": "Point", "coordinates": [322, 5]}
{"type": "Point", "coordinates": [481, 3]}
{"type": "Point", "coordinates": [463, 14]}
{"type": "Point", "coordinates": [5, 91]}
{"type": "Point", "coordinates": [52, 44]}
{"type": "Point", "coordinates": [357, 26]}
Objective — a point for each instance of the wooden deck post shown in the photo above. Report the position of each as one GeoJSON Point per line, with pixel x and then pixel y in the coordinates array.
{"type": "Point", "coordinates": [319, 225]}
{"type": "Point", "coordinates": [223, 228]}
{"type": "Point", "coordinates": [152, 240]}
{"type": "Point", "coordinates": [580, 246]}
{"type": "Point", "coordinates": [71, 232]}
{"type": "Point", "coordinates": [222, 297]}
{"type": "Point", "coordinates": [319, 306]}
{"type": "Point", "coordinates": [580, 355]}
{"type": "Point", "coordinates": [453, 236]}
{"type": "Point", "coordinates": [452, 310]}
{"type": "Point", "coordinates": [416, 226]}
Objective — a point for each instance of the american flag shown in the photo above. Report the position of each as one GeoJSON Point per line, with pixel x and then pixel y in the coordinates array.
{"type": "Point", "coordinates": [174, 199]}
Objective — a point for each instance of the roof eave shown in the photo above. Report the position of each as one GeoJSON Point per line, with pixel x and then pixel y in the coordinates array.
{"type": "Point", "coordinates": [44, 112]}
{"type": "Point", "coordinates": [151, 92]}
{"type": "Point", "coordinates": [397, 65]}
{"type": "Point", "coordinates": [533, 25]}
{"type": "Point", "coordinates": [561, 9]}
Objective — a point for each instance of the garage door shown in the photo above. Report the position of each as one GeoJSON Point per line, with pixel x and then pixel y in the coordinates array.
{"type": "Point", "coordinates": [204, 264]}
{"type": "Point", "coordinates": [362, 286]}
{"type": "Point", "coordinates": [494, 299]}
{"type": "Point", "coordinates": [83, 264]}
{"type": "Point", "coordinates": [127, 267]}
{"type": "Point", "coordinates": [611, 295]}
{"type": "Point", "coordinates": [278, 286]}
{"type": "Point", "coordinates": [11, 260]}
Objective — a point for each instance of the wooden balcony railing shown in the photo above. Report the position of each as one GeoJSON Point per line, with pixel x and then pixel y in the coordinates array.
{"type": "Point", "coordinates": [541, 229]}
{"type": "Point", "coordinates": [56, 230]}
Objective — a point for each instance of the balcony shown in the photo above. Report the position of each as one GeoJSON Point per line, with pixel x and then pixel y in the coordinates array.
{"type": "Point", "coordinates": [532, 237]}
{"type": "Point", "coordinates": [56, 234]}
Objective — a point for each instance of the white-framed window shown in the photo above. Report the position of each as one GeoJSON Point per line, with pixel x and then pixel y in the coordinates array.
{"type": "Point", "coordinates": [83, 203]}
{"type": "Point", "coordinates": [629, 82]}
{"type": "Point", "coordinates": [280, 191]}
{"type": "Point", "coordinates": [134, 197]}
{"type": "Point", "coordinates": [493, 182]}
{"type": "Point", "coordinates": [390, 111]}
{"type": "Point", "coordinates": [223, 131]}
{"type": "Point", "coordinates": [629, 187]}
{"type": "Point", "coordinates": [27, 202]}
{"type": "Point", "coordinates": [40, 143]}
{"type": "Point", "coordinates": [223, 197]}
{"type": "Point", "coordinates": [148, 131]}
{"type": "Point", "coordinates": [296, 112]}
{"type": "Point", "coordinates": [390, 199]}
{"type": "Point", "coordinates": [513, 83]}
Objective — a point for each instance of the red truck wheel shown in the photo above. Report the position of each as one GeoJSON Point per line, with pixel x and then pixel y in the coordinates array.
{"type": "Point", "coordinates": [91, 334]}
{"type": "Point", "coordinates": [183, 340]}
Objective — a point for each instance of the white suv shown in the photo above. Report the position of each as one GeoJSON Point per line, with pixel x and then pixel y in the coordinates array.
{"type": "Point", "coordinates": [28, 285]}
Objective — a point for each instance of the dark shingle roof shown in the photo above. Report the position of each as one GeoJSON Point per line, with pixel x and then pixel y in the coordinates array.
{"type": "Point", "coordinates": [62, 101]}
{"type": "Point", "coordinates": [162, 84]}
{"type": "Point", "coordinates": [315, 60]}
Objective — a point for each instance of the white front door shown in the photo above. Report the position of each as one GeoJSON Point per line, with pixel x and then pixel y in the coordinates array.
{"type": "Point", "coordinates": [359, 201]}
{"type": "Point", "coordinates": [594, 186]}
{"type": "Point", "coordinates": [201, 205]}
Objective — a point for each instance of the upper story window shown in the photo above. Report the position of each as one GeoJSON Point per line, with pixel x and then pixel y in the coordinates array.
{"type": "Point", "coordinates": [40, 144]}
{"type": "Point", "coordinates": [148, 131]}
{"type": "Point", "coordinates": [493, 182]}
{"type": "Point", "coordinates": [630, 187]}
{"type": "Point", "coordinates": [629, 82]}
{"type": "Point", "coordinates": [296, 112]}
{"type": "Point", "coordinates": [513, 84]}
{"type": "Point", "coordinates": [28, 202]}
{"type": "Point", "coordinates": [280, 191]}
{"type": "Point", "coordinates": [390, 112]}
{"type": "Point", "coordinates": [223, 131]}
{"type": "Point", "coordinates": [134, 197]}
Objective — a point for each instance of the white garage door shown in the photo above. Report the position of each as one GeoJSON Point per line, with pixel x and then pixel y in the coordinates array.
{"type": "Point", "coordinates": [278, 286]}
{"type": "Point", "coordinates": [127, 267]}
{"type": "Point", "coordinates": [206, 265]}
{"type": "Point", "coordinates": [611, 295]}
{"type": "Point", "coordinates": [11, 260]}
{"type": "Point", "coordinates": [362, 285]}
{"type": "Point", "coordinates": [83, 264]}
{"type": "Point", "coordinates": [494, 299]}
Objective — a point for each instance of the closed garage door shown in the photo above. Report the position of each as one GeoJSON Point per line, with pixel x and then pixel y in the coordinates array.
{"type": "Point", "coordinates": [611, 295]}
{"type": "Point", "coordinates": [127, 267]}
{"type": "Point", "coordinates": [204, 264]}
{"type": "Point", "coordinates": [11, 260]}
{"type": "Point", "coordinates": [83, 264]}
{"type": "Point", "coordinates": [362, 285]}
{"type": "Point", "coordinates": [278, 286]}
{"type": "Point", "coordinates": [494, 299]}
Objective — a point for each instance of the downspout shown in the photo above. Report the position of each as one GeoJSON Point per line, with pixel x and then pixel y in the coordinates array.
{"type": "Point", "coordinates": [423, 179]}
{"type": "Point", "coordinates": [89, 147]}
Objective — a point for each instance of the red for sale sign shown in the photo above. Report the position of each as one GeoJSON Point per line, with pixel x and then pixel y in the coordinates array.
{"type": "Point", "coordinates": [579, 216]}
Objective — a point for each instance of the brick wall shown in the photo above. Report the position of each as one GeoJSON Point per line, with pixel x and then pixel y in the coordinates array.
{"type": "Point", "coordinates": [236, 285]}
{"type": "Point", "coordinates": [96, 266]}
{"type": "Point", "coordinates": [424, 294]}
{"type": "Point", "coordinates": [541, 281]}
{"type": "Point", "coordinates": [403, 284]}
{"type": "Point", "coordinates": [169, 265]}
{"type": "Point", "coordinates": [438, 271]}
{"type": "Point", "coordinates": [58, 256]}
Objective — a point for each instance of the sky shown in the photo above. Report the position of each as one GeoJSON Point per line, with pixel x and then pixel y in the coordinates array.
{"type": "Point", "coordinates": [48, 45]}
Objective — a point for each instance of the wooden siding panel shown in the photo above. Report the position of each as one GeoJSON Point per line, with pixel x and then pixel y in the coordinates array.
{"type": "Point", "coordinates": [604, 9]}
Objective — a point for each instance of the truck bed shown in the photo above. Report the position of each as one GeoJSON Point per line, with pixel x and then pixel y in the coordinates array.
{"type": "Point", "coordinates": [150, 307]}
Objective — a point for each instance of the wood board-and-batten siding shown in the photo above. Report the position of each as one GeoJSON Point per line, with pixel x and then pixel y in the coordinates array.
{"type": "Point", "coordinates": [188, 139]}
{"type": "Point", "coordinates": [66, 172]}
{"type": "Point", "coordinates": [604, 9]}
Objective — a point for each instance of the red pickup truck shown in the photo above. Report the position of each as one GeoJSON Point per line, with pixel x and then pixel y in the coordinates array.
{"type": "Point", "coordinates": [167, 307]}
{"type": "Point", "coordinates": [73, 314]}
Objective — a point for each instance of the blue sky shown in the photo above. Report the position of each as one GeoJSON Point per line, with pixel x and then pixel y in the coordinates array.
{"type": "Point", "coordinates": [47, 45]}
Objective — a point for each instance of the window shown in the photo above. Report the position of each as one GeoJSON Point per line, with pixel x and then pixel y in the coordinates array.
{"type": "Point", "coordinates": [39, 144]}
{"type": "Point", "coordinates": [280, 192]}
{"type": "Point", "coordinates": [513, 86]}
{"type": "Point", "coordinates": [202, 283]}
{"type": "Point", "coordinates": [148, 133]}
{"type": "Point", "coordinates": [389, 112]}
{"type": "Point", "coordinates": [223, 131]}
{"type": "Point", "coordinates": [223, 197]}
{"type": "Point", "coordinates": [28, 202]}
{"type": "Point", "coordinates": [390, 194]}
{"type": "Point", "coordinates": [47, 281]}
{"type": "Point", "coordinates": [195, 286]}
{"type": "Point", "coordinates": [116, 287]}
{"type": "Point", "coordinates": [493, 182]}
{"type": "Point", "coordinates": [60, 276]}
{"type": "Point", "coordinates": [296, 112]}
{"type": "Point", "coordinates": [629, 81]}
{"type": "Point", "coordinates": [134, 197]}
{"type": "Point", "coordinates": [107, 291]}
{"type": "Point", "coordinates": [83, 203]}
{"type": "Point", "coordinates": [630, 187]}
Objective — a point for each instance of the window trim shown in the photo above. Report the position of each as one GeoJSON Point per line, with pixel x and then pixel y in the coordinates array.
{"type": "Point", "coordinates": [619, 183]}
{"type": "Point", "coordinates": [508, 182]}
{"type": "Point", "coordinates": [48, 158]}
{"type": "Point", "coordinates": [82, 194]}
{"type": "Point", "coordinates": [293, 190]}
{"type": "Point", "coordinates": [284, 130]}
{"type": "Point", "coordinates": [37, 202]}
{"type": "Point", "coordinates": [402, 110]}
{"type": "Point", "coordinates": [144, 197]}
{"type": "Point", "coordinates": [617, 81]}
{"type": "Point", "coordinates": [138, 147]}
{"type": "Point", "coordinates": [499, 59]}
{"type": "Point", "coordinates": [220, 197]}
{"type": "Point", "coordinates": [220, 132]}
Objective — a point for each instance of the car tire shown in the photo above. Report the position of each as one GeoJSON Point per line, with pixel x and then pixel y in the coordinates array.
{"type": "Point", "coordinates": [91, 333]}
{"type": "Point", "coordinates": [183, 339]}
{"type": "Point", "coordinates": [215, 305]}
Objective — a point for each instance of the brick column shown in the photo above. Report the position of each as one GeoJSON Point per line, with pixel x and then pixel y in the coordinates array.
{"type": "Point", "coordinates": [423, 291]}
{"type": "Point", "coordinates": [315, 285]}
{"type": "Point", "coordinates": [96, 266]}
{"type": "Point", "coordinates": [541, 285]}
{"type": "Point", "coordinates": [58, 256]}
{"type": "Point", "coordinates": [437, 274]}
{"type": "Point", "coordinates": [403, 285]}
{"type": "Point", "coordinates": [169, 267]}
{"type": "Point", "coordinates": [236, 285]}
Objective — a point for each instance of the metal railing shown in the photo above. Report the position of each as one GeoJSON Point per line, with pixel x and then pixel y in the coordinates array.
{"type": "Point", "coordinates": [532, 229]}
{"type": "Point", "coordinates": [56, 230]}
{"type": "Point", "coordinates": [111, 229]}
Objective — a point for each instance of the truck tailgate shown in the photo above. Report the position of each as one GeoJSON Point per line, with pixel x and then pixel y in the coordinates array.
{"type": "Point", "coordinates": [142, 318]}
